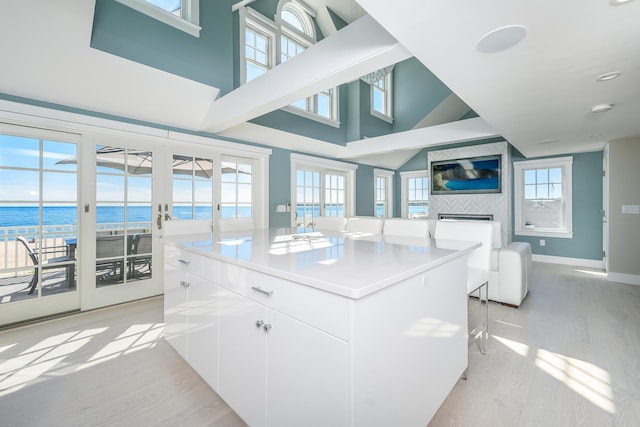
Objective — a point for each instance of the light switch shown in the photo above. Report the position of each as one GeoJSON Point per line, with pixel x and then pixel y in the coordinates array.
{"type": "Point", "coordinates": [631, 209]}
{"type": "Point", "coordinates": [281, 208]}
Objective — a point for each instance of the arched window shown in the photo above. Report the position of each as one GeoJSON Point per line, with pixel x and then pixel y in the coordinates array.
{"type": "Point", "coordinates": [263, 50]}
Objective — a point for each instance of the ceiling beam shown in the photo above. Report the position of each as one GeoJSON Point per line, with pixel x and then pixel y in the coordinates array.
{"type": "Point", "coordinates": [447, 133]}
{"type": "Point", "coordinates": [346, 55]}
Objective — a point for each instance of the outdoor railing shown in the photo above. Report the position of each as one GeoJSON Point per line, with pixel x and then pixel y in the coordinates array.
{"type": "Point", "coordinates": [14, 257]}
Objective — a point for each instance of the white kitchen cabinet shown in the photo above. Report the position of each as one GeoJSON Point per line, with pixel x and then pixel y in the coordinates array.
{"type": "Point", "coordinates": [278, 371]}
{"type": "Point", "coordinates": [306, 375]}
{"type": "Point", "coordinates": [176, 316]}
{"type": "Point", "coordinates": [191, 318]}
{"type": "Point", "coordinates": [202, 334]}
{"type": "Point", "coordinates": [242, 359]}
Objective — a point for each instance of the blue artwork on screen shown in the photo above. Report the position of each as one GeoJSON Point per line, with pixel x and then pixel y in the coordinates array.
{"type": "Point", "coordinates": [472, 175]}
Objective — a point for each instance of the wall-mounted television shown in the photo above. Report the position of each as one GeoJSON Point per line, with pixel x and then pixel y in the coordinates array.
{"type": "Point", "coordinates": [467, 176]}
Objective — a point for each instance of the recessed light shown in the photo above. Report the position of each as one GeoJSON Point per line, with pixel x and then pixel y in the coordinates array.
{"type": "Point", "coordinates": [601, 108]}
{"type": "Point", "coordinates": [548, 141]}
{"type": "Point", "coordinates": [501, 38]}
{"type": "Point", "coordinates": [608, 76]}
{"type": "Point", "coordinates": [618, 2]}
{"type": "Point", "coordinates": [595, 135]}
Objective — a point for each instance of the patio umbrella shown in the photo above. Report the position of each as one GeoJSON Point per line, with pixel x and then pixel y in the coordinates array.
{"type": "Point", "coordinates": [139, 162]}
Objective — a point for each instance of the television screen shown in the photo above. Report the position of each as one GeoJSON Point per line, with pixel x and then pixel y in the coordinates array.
{"type": "Point", "coordinates": [471, 175]}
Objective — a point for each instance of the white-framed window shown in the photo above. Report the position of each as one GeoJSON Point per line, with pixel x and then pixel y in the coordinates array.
{"type": "Point", "coordinates": [415, 194]}
{"type": "Point", "coordinates": [381, 97]}
{"type": "Point", "coordinates": [181, 14]}
{"type": "Point", "coordinates": [543, 204]}
{"type": "Point", "coordinates": [257, 52]}
{"type": "Point", "coordinates": [236, 182]}
{"type": "Point", "coordinates": [267, 43]}
{"type": "Point", "coordinates": [321, 187]}
{"type": "Point", "coordinates": [383, 180]}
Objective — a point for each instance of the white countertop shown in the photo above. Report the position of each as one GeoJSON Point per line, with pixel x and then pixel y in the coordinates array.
{"type": "Point", "coordinates": [349, 264]}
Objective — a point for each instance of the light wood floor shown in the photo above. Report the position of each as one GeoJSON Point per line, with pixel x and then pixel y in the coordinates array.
{"type": "Point", "coordinates": [569, 356]}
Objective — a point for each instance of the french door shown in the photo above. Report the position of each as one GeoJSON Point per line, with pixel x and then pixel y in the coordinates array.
{"type": "Point", "coordinates": [38, 220]}
{"type": "Point", "coordinates": [81, 213]}
{"type": "Point", "coordinates": [139, 186]}
{"type": "Point", "coordinates": [118, 248]}
{"type": "Point", "coordinates": [318, 193]}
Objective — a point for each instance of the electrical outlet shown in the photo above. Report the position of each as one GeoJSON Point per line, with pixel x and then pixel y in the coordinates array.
{"type": "Point", "coordinates": [542, 242]}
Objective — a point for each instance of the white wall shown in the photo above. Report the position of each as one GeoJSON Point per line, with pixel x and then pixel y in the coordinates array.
{"type": "Point", "coordinates": [624, 228]}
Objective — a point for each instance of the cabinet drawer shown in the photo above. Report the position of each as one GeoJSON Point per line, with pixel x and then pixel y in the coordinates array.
{"type": "Point", "coordinates": [323, 310]}
{"type": "Point", "coordinates": [199, 265]}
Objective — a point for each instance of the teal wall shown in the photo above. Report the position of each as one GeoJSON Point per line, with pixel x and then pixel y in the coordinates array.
{"type": "Point", "coordinates": [213, 59]}
{"type": "Point", "coordinates": [279, 186]}
{"type": "Point", "coordinates": [587, 217]}
{"type": "Point", "coordinates": [416, 92]}
{"type": "Point", "coordinates": [293, 123]}
{"type": "Point", "coordinates": [587, 203]}
{"type": "Point", "coordinates": [122, 31]}
{"type": "Point", "coordinates": [365, 191]}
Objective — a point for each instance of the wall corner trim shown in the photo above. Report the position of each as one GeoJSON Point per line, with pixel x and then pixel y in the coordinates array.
{"type": "Point", "coordinates": [631, 279]}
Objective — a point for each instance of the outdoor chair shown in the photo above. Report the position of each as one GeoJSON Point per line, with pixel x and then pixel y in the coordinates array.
{"type": "Point", "coordinates": [46, 264]}
{"type": "Point", "coordinates": [141, 255]}
{"type": "Point", "coordinates": [108, 248]}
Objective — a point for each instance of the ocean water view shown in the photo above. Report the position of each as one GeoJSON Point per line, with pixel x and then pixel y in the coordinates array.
{"type": "Point", "coordinates": [15, 218]}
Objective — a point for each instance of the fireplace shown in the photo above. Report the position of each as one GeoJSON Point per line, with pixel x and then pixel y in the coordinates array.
{"type": "Point", "coordinates": [474, 217]}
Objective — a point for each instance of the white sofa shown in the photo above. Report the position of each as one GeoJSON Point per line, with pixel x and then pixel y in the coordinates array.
{"type": "Point", "coordinates": [511, 268]}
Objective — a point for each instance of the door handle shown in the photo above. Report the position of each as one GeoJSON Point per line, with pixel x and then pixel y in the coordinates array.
{"type": "Point", "coordinates": [159, 221]}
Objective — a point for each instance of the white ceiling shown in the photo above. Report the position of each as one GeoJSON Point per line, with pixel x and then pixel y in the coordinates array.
{"type": "Point", "coordinates": [46, 56]}
{"type": "Point", "coordinates": [539, 90]}
{"type": "Point", "coordinates": [542, 88]}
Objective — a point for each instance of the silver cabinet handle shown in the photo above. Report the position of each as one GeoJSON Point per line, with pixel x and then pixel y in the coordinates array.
{"type": "Point", "coordinates": [184, 261]}
{"type": "Point", "coordinates": [184, 284]}
{"type": "Point", "coordinates": [259, 323]}
{"type": "Point", "coordinates": [266, 327]}
{"type": "Point", "coordinates": [262, 291]}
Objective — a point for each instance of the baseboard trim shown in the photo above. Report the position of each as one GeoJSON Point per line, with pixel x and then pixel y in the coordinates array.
{"type": "Point", "coordinates": [631, 279]}
{"type": "Point", "coordinates": [578, 262]}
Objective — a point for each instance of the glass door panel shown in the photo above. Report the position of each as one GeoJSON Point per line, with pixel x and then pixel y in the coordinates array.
{"type": "Point", "coordinates": [236, 195]}
{"type": "Point", "coordinates": [192, 187]}
{"type": "Point", "coordinates": [124, 215]}
{"type": "Point", "coordinates": [334, 194]}
{"type": "Point", "coordinates": [38, 224]}
{"type": "Point", "coordinates": [307, 197]}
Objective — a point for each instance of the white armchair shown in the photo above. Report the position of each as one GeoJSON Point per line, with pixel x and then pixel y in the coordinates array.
{"type": "Point", "coordinates": [511, 268]}
{"type": "Point", "coordinates": [364, 224]}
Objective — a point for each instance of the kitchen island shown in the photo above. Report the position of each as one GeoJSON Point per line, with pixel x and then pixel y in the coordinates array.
{"type": "Point", "coordinates": [320, 329]}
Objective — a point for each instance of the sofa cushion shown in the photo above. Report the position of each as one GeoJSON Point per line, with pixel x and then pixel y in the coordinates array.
{"type": "Point", "coordinates": [495, 259]}
{"type": "Point", "coordinates": [497, 236]}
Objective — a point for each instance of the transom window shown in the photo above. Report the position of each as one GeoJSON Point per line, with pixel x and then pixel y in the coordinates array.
{"type": "Point", "coordinates": [543, 197]}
